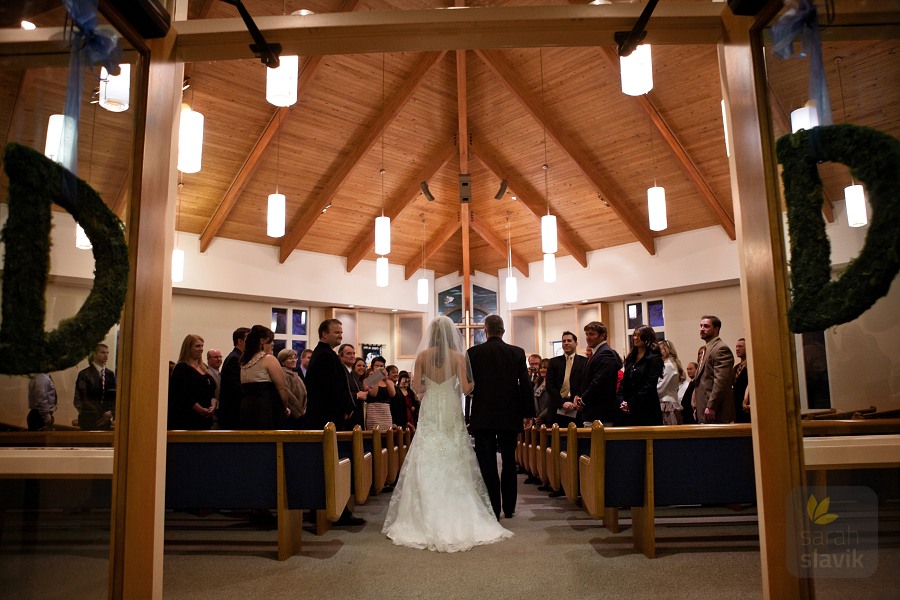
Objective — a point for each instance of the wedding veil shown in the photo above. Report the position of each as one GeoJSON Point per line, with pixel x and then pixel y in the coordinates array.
{"type": "Point", "coordinates": [441, 355]}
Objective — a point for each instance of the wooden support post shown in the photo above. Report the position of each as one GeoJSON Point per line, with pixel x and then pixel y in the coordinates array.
{"type": "Point", "coordinates": [773, 386]}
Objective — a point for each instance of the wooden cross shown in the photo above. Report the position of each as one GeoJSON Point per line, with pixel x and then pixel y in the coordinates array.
{"type": "Point", "coordinates": [468, 328]}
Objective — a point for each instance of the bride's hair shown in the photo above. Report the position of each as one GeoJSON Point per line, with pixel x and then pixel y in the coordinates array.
{"type": "Point", "coordinates": [440, 352]}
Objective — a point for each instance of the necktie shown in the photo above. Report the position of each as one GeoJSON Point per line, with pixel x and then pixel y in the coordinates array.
{"type": "Point", "coordinates": [564, 389]}
{"type": "Point", "coordinates": [102, 382]}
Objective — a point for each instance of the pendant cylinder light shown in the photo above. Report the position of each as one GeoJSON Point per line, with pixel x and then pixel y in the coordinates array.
{"type": "Point", "coordinates": [548, 234]}
{"type": "Point", "coordinates": [59, 127]}
{"type": "Point", "coordinates": [275, 216]}
{"type": "Point", "coordinates": [637, 71]}
{"type": "Point", "coordinates": [382, 235]}
{"type": "Point", "coordinates": [81, 239]}
{"type": "Point", "coordinates": [656, 207]}
{"type": "Point", "coordinates": [115, 89]}
{"type": "Point", "coordinates": [177, 265]}
{"type": "Point", "coordinates": [422, 290]}
{"type": "Point", "coordinates": [804, 118]}
{"type": "Point", "coordinates": [512, 289]}
{"type": "Point", "coordinates": [190, 140]}
{"type": "Point", "coordinates": [855, 200]}
{"type": "Point", "coordinates": [381, 271]}
{"type": "Point", "coordinates": [281, 83]}
{"type": "Point", "coordinates": [549, 268]}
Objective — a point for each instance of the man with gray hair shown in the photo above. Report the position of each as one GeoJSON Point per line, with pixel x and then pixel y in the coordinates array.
{"type": "Point", "coordinates": [502, 404]}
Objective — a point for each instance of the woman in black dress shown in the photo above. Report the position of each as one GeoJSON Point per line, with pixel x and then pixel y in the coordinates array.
{"type": "Point", "coordinates": [266, 395]}
{"type": "Point", "coordinates": [192, 390]}
{"type": "Point", "coordinates": [638, 398]}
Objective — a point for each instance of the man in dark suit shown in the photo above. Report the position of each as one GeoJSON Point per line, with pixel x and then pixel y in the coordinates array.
{"type": "Point", "coordinates": [713, 385]}
{"type": "Point", "coordinates": [347, 354]}
{"type": "Point", "coordinates": [230, 394]}
{"type": "Point", "coordinates": [564, 375]}
{"type": "Point", "coordinates": [502, 403]}
{"type": "Point", "coordinates": [329, 398]}
{"type": "Point", "coordinates": [596, 398]}
{"type": "Point", "coordinates": [95, 392]}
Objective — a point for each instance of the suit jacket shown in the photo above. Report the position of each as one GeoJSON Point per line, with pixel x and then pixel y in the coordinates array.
{"type": "Point", "coordinates": [712, 387]}
{"type": "Point", "coordinates": [357, 417]}
{"type": "Point", "coordinates": [328, 389]}
{"type": "Point", "coordinates": [230, 394]}
{"type": "Point", "coordinates": [598, 385]}
{"type": "Point", "coordinates": [556, 372]}
{"type": "Point", "coordinates": [502, 396]}
{"type": "Point", "coordinates": [639, 390]}
{"type": "Point", "coordinates": [89, 397]}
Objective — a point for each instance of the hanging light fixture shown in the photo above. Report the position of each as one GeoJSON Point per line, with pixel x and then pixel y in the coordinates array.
{"type": "Point", "coordinates": [656, 197]}
{"type": "Point", "coordinates": [422, 284]}
{"type": "Point", "coordinates": [58, 128]}
{"type": "Point", "coordinates": [854, 195]}
{"type": "Point", "coordinates": [281, 82]}
{"type": "Point", "coordinates": [381, 271]}
{"type": "Point", "coordinates": [190, 140]}
{"type": "Point", "coordinates": [637, 71]}
{"type": "Point", "coordinates": [805, 117]}
{"type": "Point", "coordinates": [549, 244]}
{"type": "Point", "coordinates": [382, 223]}
{"type": "Point", "coordinates": [177, 265]}
{"type": "Point", "coordinates": [115, 89]}
{"type": "Point", "coordinates": [275, 216]}
{"type": "Point", "coordinates": [549, 268]}
{"type": "Point", "coordinates": [512, 286]}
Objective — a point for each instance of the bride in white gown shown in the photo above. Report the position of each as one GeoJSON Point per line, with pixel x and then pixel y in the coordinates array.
{"type": "Point", "coordinates": [440, 501]}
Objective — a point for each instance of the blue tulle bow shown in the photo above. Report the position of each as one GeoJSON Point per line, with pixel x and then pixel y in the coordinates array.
{"type": "Point", "coordinates": [801, 20]}
{"type": "Point", "coordinates": [89, 46]}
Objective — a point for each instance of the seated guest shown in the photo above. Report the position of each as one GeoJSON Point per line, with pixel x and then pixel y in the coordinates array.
{"type": "Point", "coordinates": [192, 389]}
{"type": "Point", "coordinates": [668, 385]}
{"type": "Point", "coordinates": [266, 396]}
{"type": "Point", "coordinates": [288, 359]}
{"type": "Point", "coordinates": [95, 392]}
{"type": "Point", "coordinates": [639, 400]}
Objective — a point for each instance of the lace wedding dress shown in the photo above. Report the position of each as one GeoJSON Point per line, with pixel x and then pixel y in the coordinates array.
{"type": "Point", "coordinates": [440, 501]}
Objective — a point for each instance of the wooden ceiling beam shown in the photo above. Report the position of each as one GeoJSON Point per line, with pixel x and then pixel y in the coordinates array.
{"type": "Point", "coordinates": [118, 203]}
{"type": "Point", "coordinates": [462, 114]}
{"type": "Point", "coordinates": [310, 214]}
{"type": "Point", "coordinates": [603, 186]}
{"type": "Point", "coordinates": [674, 144]}
{"type": "Point", "coordinates": [497, 243]}
{"type": "Point", "coordinates": [366, 241]}
{"type": "Point", "coordinates": [564, 233]}
{"type": "Point", "coordinates": [443, 235]}
{"type": "Point", "coordinates": [784, 122]}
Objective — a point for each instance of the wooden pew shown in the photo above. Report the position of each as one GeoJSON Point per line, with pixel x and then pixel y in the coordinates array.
{"type": "Point", "coordinates": [531, 442]}
{"type": "Point", "coordinates": [393, 455]}
{"type": "Point", "coordinates": [350, 445]}
{"type": "Point", "coordinates": [402, 446]}
{"type": "Point", "coordinates": [373, 442]}
{"type": "Point", "coordinates": [570, 449]}
{"type": "Point", "coordinates": [551, 456]}
{"type": "Point", "coordinates": [540, 454]}
{"type": "Point", "coordinates": [290, 470]}
{"type": "Point", "coordinates": [520, 450]}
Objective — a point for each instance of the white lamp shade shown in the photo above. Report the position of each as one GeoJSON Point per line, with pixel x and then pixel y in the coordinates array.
{"type": "Point", "coordinates": [115, 89]}
{"type": "Point", "coordinates": [422, 290]}
{"type": "Point", "coordinates": [275, 216]}
{"type": "Point", "coordinates": [81, 239]}
{"type": "Point", "coordinates": [177, 265]}
{"type": "Point", "coordinates": [656, 207]}
{"type": "Point", "coordinates": [382, 235]}
{"type": "Point", "coordinates": [190, 140]}
{"type": "Point", "coordinates": [512, 289]}
{"type": "Point", "coordinates": [548, 234]}
{"type": "Point", "coordinates": [281, 83]}
{"type": "Point", "coordinates": [804, 118]}
{"type": "Point", "coordinates": [855, 199]}
{"type": "Point", "coordinates": [637, 71]}
{"type": "Point", "coordinates": [549, 268]}
{"type": "Point", "coordinates": [381, 271]}
{"type": "Point", "coordinates": [59, 127]}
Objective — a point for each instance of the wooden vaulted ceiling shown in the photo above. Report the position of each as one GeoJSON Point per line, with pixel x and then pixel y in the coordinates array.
{"type": "Point", "coordinates": [502, 114]}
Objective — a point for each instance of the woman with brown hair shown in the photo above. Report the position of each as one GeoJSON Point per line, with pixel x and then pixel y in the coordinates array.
{"type": "Point", "coordinates": [266, 395]}
{"type": "Point", "coordinates": [638, 398]}
{"type": "Point", "coordinates": [667, 388]}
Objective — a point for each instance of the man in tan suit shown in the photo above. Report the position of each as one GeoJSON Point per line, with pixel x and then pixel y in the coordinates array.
{"type": "Point", "coordinates": [713, 388]}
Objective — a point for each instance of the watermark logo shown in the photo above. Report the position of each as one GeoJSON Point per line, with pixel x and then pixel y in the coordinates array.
{"type": "Point", "coordinates": [839, 533]}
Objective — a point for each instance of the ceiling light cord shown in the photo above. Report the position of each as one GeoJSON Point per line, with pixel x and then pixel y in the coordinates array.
{"type": "Point", "coordinates": [837, 61]}
{"type": "Point", "coordinates": [544, 125]}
